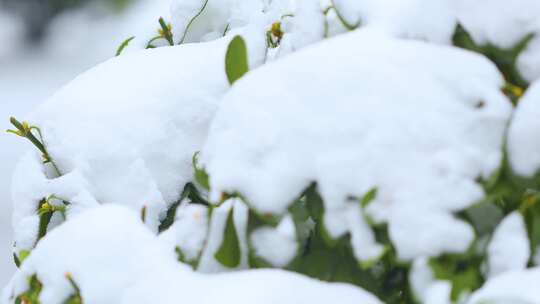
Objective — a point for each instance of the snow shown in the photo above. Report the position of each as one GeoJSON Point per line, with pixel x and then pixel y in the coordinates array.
{"type": "Point", "coordinates": [528, 61]}
{"type": "Point", "coordinates": [425, 287]}
{"type": "Point", "coordinates": [243, 287]}
{"type": "Point", "coordinates": [385, 107]}
{"type": "Point", "coordinates": [504, 24]}
{"type": "Point", "coordinates": [429, 20]}
{"type": "Point", "coordinates": [208, 263]}
{"type": "Point", "coordinates": [354, 135]}
{"type": "Point", "coordinates": [523, 148]}
{"type": "Point", "coordinates": [509, 248]}
{"type": "Point", "coordinates": [278, 246]}
{"type": "Point", "coordinates": [189, 230]}
{"type": "Point", "coordinates": [121, 261]}
{"type": "Point", "coordinates": [118, 142]}
{"type": "Point", "coordinates": [30, 75]}
{"type": "Point", "coordinates": [103, 259]}
{"type": "Point", "coordinates": [514, 287]}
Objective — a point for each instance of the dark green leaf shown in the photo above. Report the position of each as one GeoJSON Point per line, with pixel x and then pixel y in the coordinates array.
{"type": "Point", "coordinates": [200, 175]}
{"type": "Point", "coordinates": [228, 253]}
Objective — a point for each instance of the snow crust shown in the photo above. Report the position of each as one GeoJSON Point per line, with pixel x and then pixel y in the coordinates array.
{"type": "Point", "coordinates": [356, 134]}
{"type": "Point", "coordinates": [523, 134]}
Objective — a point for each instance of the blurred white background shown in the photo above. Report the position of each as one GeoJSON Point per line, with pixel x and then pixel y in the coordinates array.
{"type": "Point", "coordinates": [30, 72]}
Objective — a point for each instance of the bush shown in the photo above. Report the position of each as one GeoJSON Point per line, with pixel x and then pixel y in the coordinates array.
{"type": "Point", "coordinates": [325, 140]}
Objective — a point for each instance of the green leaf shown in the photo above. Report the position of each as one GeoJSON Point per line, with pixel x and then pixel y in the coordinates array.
{"type": "Point", "coordinates": [368, 198]}
{"type": "Point", "coordinates": [200, 175]}
{"type": "Point", "coordinates": [236, 59]}
{"type": "Point", "coordinates": [228, 253]}
{"type": "Point", "coordinates": [16, 260]}
{"type": "Point", "coordinates": [23, 255]}
{"type": "Point", "coordinates": [462, 271]}
{"type": "Point", "coordinates": [30, 296]}
{"type": "Point", "coordinates": [124, 44]}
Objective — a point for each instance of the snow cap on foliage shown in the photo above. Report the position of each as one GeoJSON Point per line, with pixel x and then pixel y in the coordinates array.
{"type": "Point", "coordinates": [278, 246]}
{"type": "Point", "coordinates": [120, 261]}
{"type": "Point", "coordinates": [509, 248]}
{"type": "Point", "coordinates": [513, 287]}
{"type": "Point", "coordinates": [125, 131]}
{"type": "Point", "coordinates": [524, 134]}
{"type": "Point", "coordinates": [105, 249]}
{"type": "Point", "coordinates": [301, 22]}
{"type": "Point", "coordinates": [275, 135]}
{"type": "Point", "coordinates": [188, 233]}
{"type": "Point", "coordinates": [424, 285]}
{"type": "Point", "coordinates": [243, 287]}
{"type": "Point", "coordinates": [504, 24]}
{"type": "Point", "coordinates": [499, 22]}
{"type": "Point", "coordinates": [430, 20]}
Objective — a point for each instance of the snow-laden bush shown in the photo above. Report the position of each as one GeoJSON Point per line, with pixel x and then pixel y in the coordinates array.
{"type": "Point", "coordinates": [401, 156]}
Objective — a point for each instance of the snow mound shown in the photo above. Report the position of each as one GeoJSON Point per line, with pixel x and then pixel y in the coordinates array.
{"type": "Point", "coordinates": [515, 287]}
{"type": "Point", "coordinates": [106, 250]}
{"type": "Point", "coordinates": [524, 134]}
{"type": "Point", "coordinates": [119, 258]}
{"type": "Point", "coordinates": [132, 123]}
{"type": "Point", "coordinates": [278, 131]}
{"type": "Point", "coordinates": [243, 287]}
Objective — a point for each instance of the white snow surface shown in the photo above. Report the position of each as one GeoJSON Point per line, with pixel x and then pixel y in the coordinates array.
{"type": "Point", "coordinates": [514, 287]}
{"type": "Point", "coordinates": [504, 24]}
{"type": "Point", "coordinates": [189, 231]}
{"type": "Point", "coordinates": [118, 127]}
{"type": "Point", "coordinates": [105, 249]}
{"type": "Point", "coordinates": [243, 287]}
{"type": "Point", "coordinates": [278, 246]}
{"type": "Point", "coordinates": [429, 20]}
{"type": "Point", "coordinates": [121, 261]}
{"type": "Point", "coordinates": [357, 134]}
{"type": "Point", "coordinates": [524, 134]}
{"type": "Point", "coordinates": [424, 285]}
{"type": "Point", "coordinates": [509, 248]}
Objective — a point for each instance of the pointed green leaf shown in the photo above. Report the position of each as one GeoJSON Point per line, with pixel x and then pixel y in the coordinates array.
{"type": "Point", "coordinates": [124, 44]}
{"type": "Point", "coordinates": [236, 60]}
{"type": "Point", "coordinates": [368, 197]}
{"type": "Point", "coordinates": [200, 175]}
{"type": "Point", "coordinates": [228, 253]}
